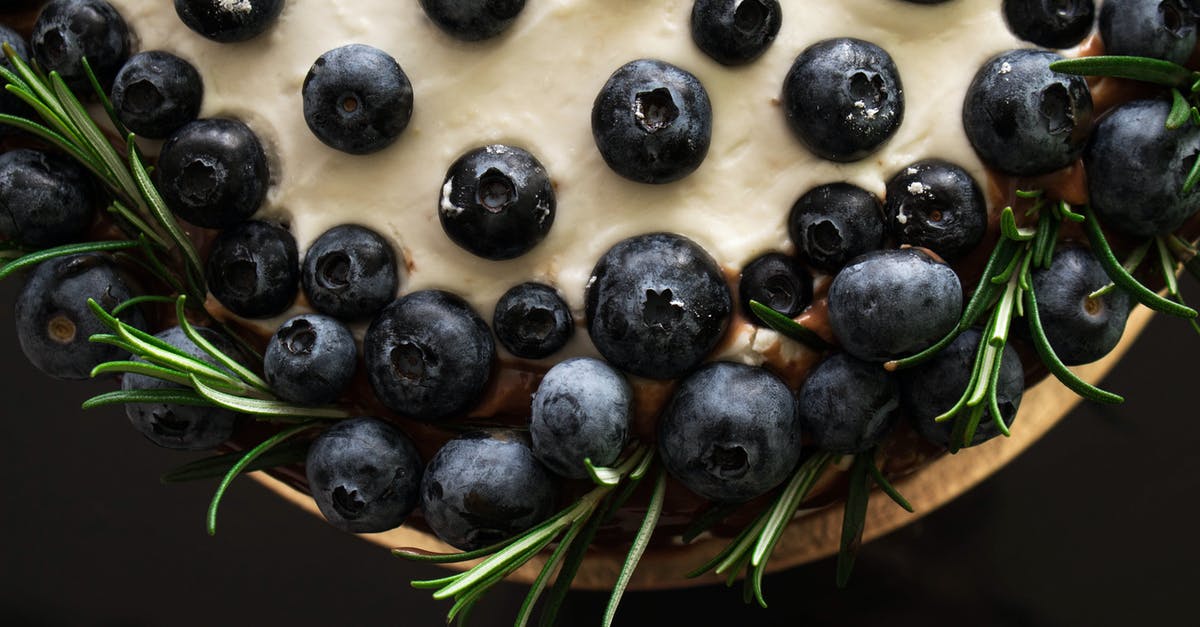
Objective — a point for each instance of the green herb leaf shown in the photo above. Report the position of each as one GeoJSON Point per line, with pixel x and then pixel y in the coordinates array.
{"type": "Point", "coordinates": [888, 489]}
{"type": "Point", "coordinates": [1142, 69]}
{"type": "Point", "coordinates": [1054, 364]}
{"type": "Point", "coordinates": [167, 397]}
{"type": "Point", "coordinates": [245, 461]}
{"type": "Point", "coordinates": [552, 563]}
{"type": "Point", "coordinates": [158, 208]}
{"type": "Point", "coordinates": [640, 542]}
{"type": "Point", "coordinates": [292, 452]}
{"type": "Point", "coordinates": [225, 360]}
{"type": "Point", "coordinates": [601, 475]}
{"type": "Point", "coordinates": [137, 301]}
{"type": "Point", "coordinates": [1122, 278]}
{"type": "Point", "coordinates": [715, 513]}
{"type": "Point", "coordinates": [35, 258]}
{"type": "Point", "coordinates": [102, 96]}
{"type": "Point", "coordinates": [1181, 111]}
{"type": "Point", "coordinates": [855, 518]}
{"type": "Point", "coordinates": [265, 407]}
{"type": "Point", "coordinates": [788, 327]}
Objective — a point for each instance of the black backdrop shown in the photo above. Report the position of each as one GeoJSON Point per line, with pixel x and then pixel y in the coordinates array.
{"type": "Point", "coordinates": [1095, 525]}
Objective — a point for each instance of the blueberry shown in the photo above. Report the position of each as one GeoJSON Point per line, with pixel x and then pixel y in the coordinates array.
{"type": "Point", "coordinates": [497, 202]}
{"type": "Point", "coordinates": [1136, 168]}
{"type": "Point", "coordinates": [253, 269]}
{"type": "Point", "coordinates": [1080, 329]}
{"type": "Point", "coordinates": [835, 223]}
{"type": "Point", "coordinates": [473, 20]}
{"type": "Point", "coordinates": [1161, 29]}
{"type": "Point", "coordinates": [485, 487]}
{"type": "Point", "coordinates": [1024, 119]}
{"type": "Point", "coordinates": [310, 360]}
{"type": "Point", "coordinates": [1050, 23]}
{"type": "Point", "coordinates": [532, 321]}
{"type": "Point", "coordinates": [892, 303]}
{"type": "Point", "coordinates": [45, 200]}
{"type": "Point", "coordinates": [730, 433]}
{"type": "Point", "coordinates": [735, 32]}
{"type": "Point", "coordinates": [66, 31]}
{"type": "Point", "coordinates": [357, 99]}
{"type": "Point", "coordinates": [936, 205]}
{"type": "Point", "coordinates": [182, 427]}
{"type": "Point", "coordinates": [364, 474]}
{"type": "Point", "coordinates": [582, 409]}
{"type": "Point", "coordinates": [652, 122]}
{"type": "Point", "coordinates": [228, 21]}
{"type": "Point", "coordinates": [843, 98]}
{"type": "Point", "coordinates": [54, 321]}
{"type": "Point", "coordinates": [848, 405]}
{"type": "Point", "coordinates": [429, 355]}
{"type": "Point", "coordinates": [657, 305]}
{"type": "Point", "coordinates": [777, 281]}
{"type": "Point", "coordinates": [157, 92]}
{"type": "Point", "coordinates": [350, 273]}
{"type": "Point", "coordinates": [932, 388]}
{"type": "Point", "coordinates": [213, 173]}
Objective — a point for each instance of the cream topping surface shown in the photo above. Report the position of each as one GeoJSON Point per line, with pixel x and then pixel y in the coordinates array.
{"type": "Point", "coordinates": [533, 87]}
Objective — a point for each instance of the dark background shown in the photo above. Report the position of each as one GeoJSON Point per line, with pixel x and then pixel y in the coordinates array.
{"type": "Point", "coordinates": [1093, 526]}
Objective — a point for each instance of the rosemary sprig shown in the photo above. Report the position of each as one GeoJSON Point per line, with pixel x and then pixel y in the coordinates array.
{"type": "Point", "coordinates": [215, 466]}
{"type": "Point", "coordinates": [788, 327]}
{"type": "Point", "coordinates": [33, 258]}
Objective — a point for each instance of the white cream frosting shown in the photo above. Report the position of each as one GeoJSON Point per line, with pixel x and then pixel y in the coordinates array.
{"type": "Point", "coordinates": [533, 87]}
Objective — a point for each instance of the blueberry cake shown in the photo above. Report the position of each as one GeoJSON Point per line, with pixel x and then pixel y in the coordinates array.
{"type": "Point", "coordinates": [482, 266]}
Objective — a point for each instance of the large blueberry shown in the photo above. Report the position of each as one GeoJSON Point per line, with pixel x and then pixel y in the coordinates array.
{"type": "Point", "coordinates": [213, 173]}
{"type": "Point", "coordinates": [532, 321]}
{"type": "Point", "coordinates": [485, 487]}
{"type": "Point", "coordinates": [843, 98]}
{"type": "Point", "coordinates": [931, 389]}
{"type": "Point", "coordinates": [254, 269]}
{"type": "Point", "coordinates": [652, 122]}
{"type": "Point", "coordinates": [1050, 23]}
{"type": "Point", "coordinates": [1136, 168]}
{"type": "Point", "coordinates": [892, 303]}
{"type": "Point", "coordinates": [364, 474]}
{"type": "Point", "coordinates": [66, 31]}
{"type": "Point", "coordinates": [657, 305]}
{"type": "Point", "coordinates": [473, 20]}
{"type": "Point", "coordinates": [157, 92]}
{"type": "Point", "coordinates": [54, 321]}
{"type": "Point", "coordinates": [357, 99]}
{"type": "Point", "coordinates": [735, 32]}
{"type": "Point", "coordinates": [777, 281]}
{"type": "Point", "coordinates": [228, 20]}
{"type": "Point", "coordinates": [1160, 29]}
{"type": "Point", "coordinates": [730, 433]}
{"type": "Point", "coordinates": [1080, 329]}
{"type": "Point", "coordinates": [429, 355]}
{"type": "Point", "coordinates": [1024, 119]}
{"type": "Point", "coordinates": [310, 359]}
{"type": "Point", "coordinates": [582, 409]}
{"type": "Point", "coordinates": [45, 200]}
{"type": "Point", "coordinates": [936, 205]}
{"type": "Point", "coordinates": [350, 273]}
{"type": "Point", "coordinates": [848, 405]}
{"type": "Point", "coordinates": [497, 202]}
{"type": "Point", "coordinates": [183, 427]}
{"type": "Point", "coordinates": [835, 223]}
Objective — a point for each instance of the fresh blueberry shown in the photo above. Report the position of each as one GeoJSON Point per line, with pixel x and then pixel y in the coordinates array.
{"type": "Point", "coordinates": [485, 487]}
{"type": "Point", "coordinates": [228, 21]}
{"type": "Point", "coordinates": [652, 122]}
{"type": "Point", "coordinates": [253, 269]}
{"type": "Point", "coordinates": [1050, 23]}
{"type": "Point", "coordinates": [777, 281]}
{"type": "Point", "coordinates": [182, 427]}
{"type": "Point", "coordinates": [66, 31]}
{"type": "Point", "coordinates": [473, 20]}
{"type": "Point", "coordinates": [892, 303]}
{"type": "Point", "coordinates": [357, 99]}
{"type": "Point", "coordinates": [429, 355]}
{"type": "Point", "coordinates": [835, 223]}
{"type": "Point", "coordinates": [1080, 329]}
{"type": "Point", "coordinates": [310, 360]}
{"type": "Point", "coordinates": [364, 474]}
{"type": "Point", "coordinates": [213, 173]}
{"type": "Point", "coordinates": [156, 93]}
{"type": "Point", "coordinates": [45, 200]}
{"type": "Point", "coordinates": [1161, 29]}
{"type": "Point", "coordinates": [497, 202]}
{"type": "Point", "coordinates": [730, 433]}
{"type": "Point", "coordinates": [735, 32]}
{"type": "Point", "coordinates": [1136, 168]}
{"type": "Point", "coordinates": [1024, 119]}
{"type": "Point", "coordinates": [848, 405]}
{"type": "Point", "coordinates": [582, 409]}
{"type": "Point", "coordinates": [532, 321]}
{"type": "Point", "coordinates": [932, 388]}
{"type": "Point", "coordinates": [843, 98]}
{"type": "Point", "coordinates": [936, 205]}
{"type": "Point", "coordinates": [9, 103]}
{"type": "Point", "coordinates": [350, 273]}
{"type": "Point", "coordinates": [657, 305]}
{"type": "Point", "coordinates": [54, 321]}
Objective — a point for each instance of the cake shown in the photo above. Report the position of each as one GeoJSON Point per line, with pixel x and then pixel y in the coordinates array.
{"type": "Point", "coordinates": [518, 110]}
